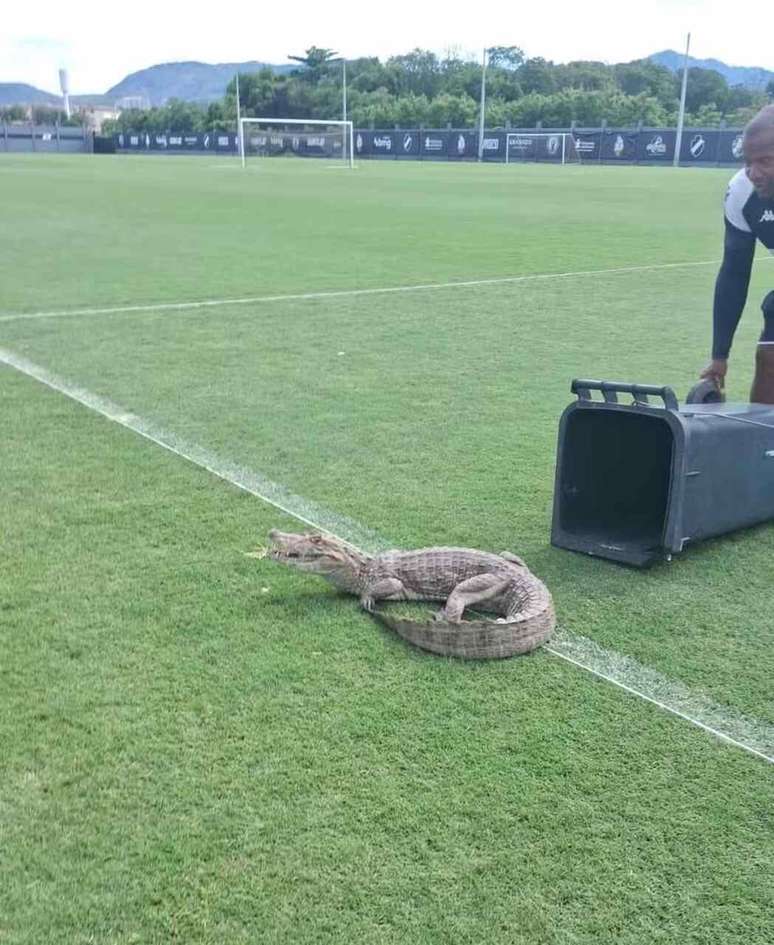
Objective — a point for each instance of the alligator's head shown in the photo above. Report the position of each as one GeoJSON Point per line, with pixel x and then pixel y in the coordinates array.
{"type": "Point", "coordinates": [321, 554]}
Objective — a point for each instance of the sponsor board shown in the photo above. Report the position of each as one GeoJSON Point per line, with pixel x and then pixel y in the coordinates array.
{"type": "Point", "coordinates": [655, 146]}
{"type": "Point", "coordinates": [606, 145]}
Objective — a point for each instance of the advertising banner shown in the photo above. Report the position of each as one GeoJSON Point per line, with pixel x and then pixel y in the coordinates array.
{"type": "Point", "coordinates": [434, 144]}
{"type": "Point", "coordinates": [656, 145]}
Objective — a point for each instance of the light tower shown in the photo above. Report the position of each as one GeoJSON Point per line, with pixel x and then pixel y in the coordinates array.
{"type": "Point", "coordinates": [64, 84]}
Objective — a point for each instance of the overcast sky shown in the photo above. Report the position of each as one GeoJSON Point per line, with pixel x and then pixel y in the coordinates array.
{"type": "Point", "coordinates": [101, 44]}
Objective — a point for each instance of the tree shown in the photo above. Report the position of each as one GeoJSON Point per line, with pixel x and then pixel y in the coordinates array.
{"type": "Point", "coordinates": [46, 115]}
{"type": "Point", "coordinates": [588, 76]}
{"type": "Point", "coordinates": [705, 87]}
{"type": "Point", "coordinates": [314, 61]}
{"type": "Point", "coordinates": [457, 110]}
{"type": "Point", "coordinates": [367, 74]}
{"type": "Point", "coordinates": [461, 76]}
{"type": "Point", "coordinates": [258, 94]}
{"type": "Point", "coordinates": [418, 71]}
{"type": "Point", "coordinates": [707, 116]}
{"type": "Point", "coordinates": [738, 97]}
{"type": "Point", "coordinates": [537, 75]}
{"type": "Point", "coordinates": [506, 57]}
{"type": "Point", "coordinates": [181, 116]}
{"type": "Point", "coordinates": [645, 77]}
{"type": "Point", "coordinates": [13, 113]}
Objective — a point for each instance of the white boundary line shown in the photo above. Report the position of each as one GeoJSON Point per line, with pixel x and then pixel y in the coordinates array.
{"type": "Point", "coordinates": [751, 735]}
{"type": "Point", "coordinates": [348, 293]}
{"type": "Point", "coordinates": [685, 704]}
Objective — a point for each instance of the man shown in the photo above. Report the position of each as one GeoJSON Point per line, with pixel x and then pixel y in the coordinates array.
{"type": "Point", "coordinates": [749, 215]}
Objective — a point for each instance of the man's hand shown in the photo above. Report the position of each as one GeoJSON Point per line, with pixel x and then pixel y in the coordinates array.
{"type": "Point", "coordinates": [716, 371]}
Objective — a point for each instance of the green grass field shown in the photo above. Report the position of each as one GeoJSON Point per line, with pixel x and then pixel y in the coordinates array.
{"type": "Point", "coordinates": [200, 747]}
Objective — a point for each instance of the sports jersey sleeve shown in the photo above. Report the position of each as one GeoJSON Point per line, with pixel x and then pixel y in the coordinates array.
{"type": "Point", "coordinates": [733, 279]}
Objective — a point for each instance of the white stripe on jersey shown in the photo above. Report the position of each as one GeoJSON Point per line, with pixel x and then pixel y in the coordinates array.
{"type": "Point", "coordinates": [739, 190]}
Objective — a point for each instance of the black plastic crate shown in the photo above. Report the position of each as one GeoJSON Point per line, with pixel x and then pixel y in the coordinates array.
{"type": "Point", "coordinates": [636, 481]}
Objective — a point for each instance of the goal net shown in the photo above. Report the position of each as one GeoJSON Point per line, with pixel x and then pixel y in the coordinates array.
{"type": "Point", "coordinates": [558, 147]}
{"type": "Point", "coordinates": [298, 137]}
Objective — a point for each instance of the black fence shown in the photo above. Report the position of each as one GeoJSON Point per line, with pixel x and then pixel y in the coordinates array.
{"type": "Point", "coordinates": [57, 138]}
{"type": "Point", "coordinates": [699, 146]}
{"type": "Point", "coordinates": [205, 142]}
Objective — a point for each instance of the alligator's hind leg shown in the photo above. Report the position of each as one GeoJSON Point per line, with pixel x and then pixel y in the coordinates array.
{"type": "Point", "coordinates": [472, 591]}
{"type": "Point", "coordinates": [514, 559]}
{"type": "Point", "coordinates": [386, 589]}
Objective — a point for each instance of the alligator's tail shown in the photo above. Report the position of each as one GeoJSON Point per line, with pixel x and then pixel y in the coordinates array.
{"type": "Point", "coordinates": [530, 620]}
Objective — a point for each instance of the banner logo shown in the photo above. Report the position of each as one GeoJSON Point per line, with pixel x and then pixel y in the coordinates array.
{"type": "Point", "coordinates": [359, 142]}
{"type": "Point", "coordinates": [461, 144]}
{"type": "Point", "coordinates": [408, 141]}
{"type": "Point", "coordinates": [553, 145]}
{"type": "Point", "coordinates": [619, 146]}
{"type": "Point", "coordinates": [385, 142]}
{"type": "Point", "coordinates": [206, 141]}
{"type": "Point", "coordinates": [697, 146]}
{"type": "Point", "coordinates": [736, 147]}
{"type": "Point", "coordinates": [656, 145]}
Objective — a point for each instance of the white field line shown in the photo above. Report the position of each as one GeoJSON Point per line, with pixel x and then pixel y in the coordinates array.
{"type": "Point", "coordinates": [348, 293]}
{"type": "Point", "coordinates": [752, 735]}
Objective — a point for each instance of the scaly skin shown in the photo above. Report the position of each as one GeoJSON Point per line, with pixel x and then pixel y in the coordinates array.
{"type": "Point", "coordinates": [461, 577]}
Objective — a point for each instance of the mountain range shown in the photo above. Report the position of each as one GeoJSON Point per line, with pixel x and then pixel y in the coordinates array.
{"type": "Point", "coordinates": [750, 77]}
{"type": "Point", "coordinates": [205, 82]}
{"type": "Point", "coordinates": [189, 81]}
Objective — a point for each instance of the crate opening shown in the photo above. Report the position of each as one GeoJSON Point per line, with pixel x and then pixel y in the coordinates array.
{"type": "Point", "coordinates": [614, 480]}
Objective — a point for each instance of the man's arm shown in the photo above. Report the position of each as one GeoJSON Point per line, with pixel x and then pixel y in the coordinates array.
{"type": "Point", "coordinates": [731, 288]}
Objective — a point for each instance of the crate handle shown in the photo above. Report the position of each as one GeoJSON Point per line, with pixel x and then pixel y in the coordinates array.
{"type": "Point", "coordinates": [610, 390]}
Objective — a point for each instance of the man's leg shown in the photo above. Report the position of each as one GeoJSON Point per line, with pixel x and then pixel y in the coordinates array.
{"type": "Point", "coordinates": [763, 386]}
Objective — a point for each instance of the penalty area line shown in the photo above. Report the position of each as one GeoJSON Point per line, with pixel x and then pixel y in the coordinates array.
{"type": "Point", "coordinates": [351, 293]}
{"type": "Point", "coordinates": [751, 735]}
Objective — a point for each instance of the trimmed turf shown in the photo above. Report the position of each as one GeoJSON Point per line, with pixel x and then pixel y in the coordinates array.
{"type": "Point", "coordinates": [193, 756]}
{"type": "Point", "coordinates": [203, 749]}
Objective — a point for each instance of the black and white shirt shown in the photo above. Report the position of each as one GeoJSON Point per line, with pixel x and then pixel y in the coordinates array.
{"type": "Point", "coordinates": [748, 217]}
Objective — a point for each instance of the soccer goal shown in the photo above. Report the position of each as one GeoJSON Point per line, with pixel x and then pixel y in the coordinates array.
{"type": "Point", "coordinates": [296, 137]}
{"type": "Point", "coordinates": [558, 147]}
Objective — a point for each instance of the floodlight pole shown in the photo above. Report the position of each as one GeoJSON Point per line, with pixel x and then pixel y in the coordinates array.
{"type": "Point", "coordinates": [681, 116]}
{"type": "Point", "coordinates": [482, 111]}
{"type": "Point", "coordinates": [240, 139]}
{"type": "Point", "coordinates": [64, 83]}
{"type": "Point", "coordinates": [343, 89]}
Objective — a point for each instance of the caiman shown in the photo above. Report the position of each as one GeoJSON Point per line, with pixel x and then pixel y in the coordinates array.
{"type": "Point", "coordinates": [460, 577]}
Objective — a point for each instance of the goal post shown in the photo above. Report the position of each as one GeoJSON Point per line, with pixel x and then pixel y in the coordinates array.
{"type": "Point", "coordinates": [296, 137]}
{"type": "Point", "coordinates": [556, 147]}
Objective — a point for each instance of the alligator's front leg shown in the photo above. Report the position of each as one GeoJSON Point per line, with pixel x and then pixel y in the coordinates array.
{"type": "Point", "coordinates": [384, 589]}
{"type": "Point", "coordinates": [472, 591]}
